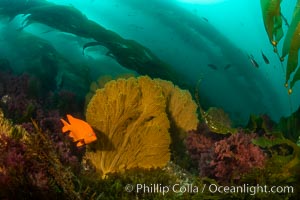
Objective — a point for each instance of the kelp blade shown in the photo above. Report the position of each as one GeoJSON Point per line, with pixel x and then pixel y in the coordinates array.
{"type": "Point", "coordinates": [295, 78]}
{"type": "Point", "coordinates": [294, 45]}
{"type": "Point", "coordinates": [291, 31]}
{"type": "Point", "coordinates": [272, 20]}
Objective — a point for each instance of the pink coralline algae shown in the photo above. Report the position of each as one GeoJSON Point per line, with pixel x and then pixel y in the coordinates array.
{"type": "Point", "coordinates": [226, 159]}
{"type": "Point", "coordinates": [236, 156]}
{"type": "Point", "coordinates": [17, 166]}
{"type": "Point", "coordinates": [12, 158]}
{"type": "Point", "coordinates": [201, 150]}
{"type": "Point", "coordinates": [14, 96]}
{"type": "Point", "coordinates": [49, 120]}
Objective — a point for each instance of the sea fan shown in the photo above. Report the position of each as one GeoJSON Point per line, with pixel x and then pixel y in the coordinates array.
{"type": "Point", "coordinates": [132, 123]}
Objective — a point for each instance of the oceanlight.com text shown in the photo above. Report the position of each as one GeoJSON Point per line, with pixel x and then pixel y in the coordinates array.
{"type": "Point", "coordinates": [250, 189]}
{"type": "Point", "coordinates": [211, 188]}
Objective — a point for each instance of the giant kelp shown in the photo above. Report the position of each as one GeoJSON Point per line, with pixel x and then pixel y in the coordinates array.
{"type": "Point", "coordinates": [12, 8]}
{"type": "Point", "coordinates": [290, 126]}
{"type": "Point", "coordinates": [218, 121]}
{"type": "Point", "coordinates": [272, 20]}
{"type": "Point", "coordinates": [39, 58]}
{"type": "Point", "coordinates": [215, 118]}
{"type": "Point", "coordinates": [291, 47]}
{"type": "Point", "coordinates": [71, 20]}
{"type": "Point", "coordinates": [284, 163]}
{"type": "Point", "coordinates": [128, 53]}
{"type": "Point", "coordinates": [288, 41]}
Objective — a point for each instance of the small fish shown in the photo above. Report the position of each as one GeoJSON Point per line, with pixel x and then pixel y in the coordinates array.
{"type": "Point", "coordinates": [227, 66]}
{"type": "Point", "coordinates": [205, 19]}
{"type": "Point", "coordinates": [214, 67]}
{"type": "Point", "coordinates": [265, 58]}
{"type": "Point", "coordinates": [253, 62]}
{"type": "Point", "coordinates": [80, 131]}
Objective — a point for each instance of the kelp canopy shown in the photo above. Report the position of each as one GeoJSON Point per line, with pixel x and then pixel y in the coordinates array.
{"type": "Point", "coordinates": [272, 18]}
{"type": "Point", "coordinates": [127, 53]}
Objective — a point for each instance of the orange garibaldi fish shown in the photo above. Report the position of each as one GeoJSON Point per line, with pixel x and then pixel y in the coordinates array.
{"type": "Point", "coordinates": [80, 131]}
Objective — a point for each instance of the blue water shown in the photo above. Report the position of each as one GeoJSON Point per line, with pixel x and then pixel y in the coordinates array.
{"type": "Point", "coordinates": [188, 35]}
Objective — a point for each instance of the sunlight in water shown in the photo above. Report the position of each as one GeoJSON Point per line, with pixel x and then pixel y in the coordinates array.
{"type": "Point", "coordinates": [202, 1]}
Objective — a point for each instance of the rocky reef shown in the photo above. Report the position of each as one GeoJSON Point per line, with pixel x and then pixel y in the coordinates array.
{"type": "Point", "coordinates": [149, 131]}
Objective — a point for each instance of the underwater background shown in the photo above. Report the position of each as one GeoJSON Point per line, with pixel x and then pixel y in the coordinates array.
{"type": "Point", "coordinates": [194, 93]}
